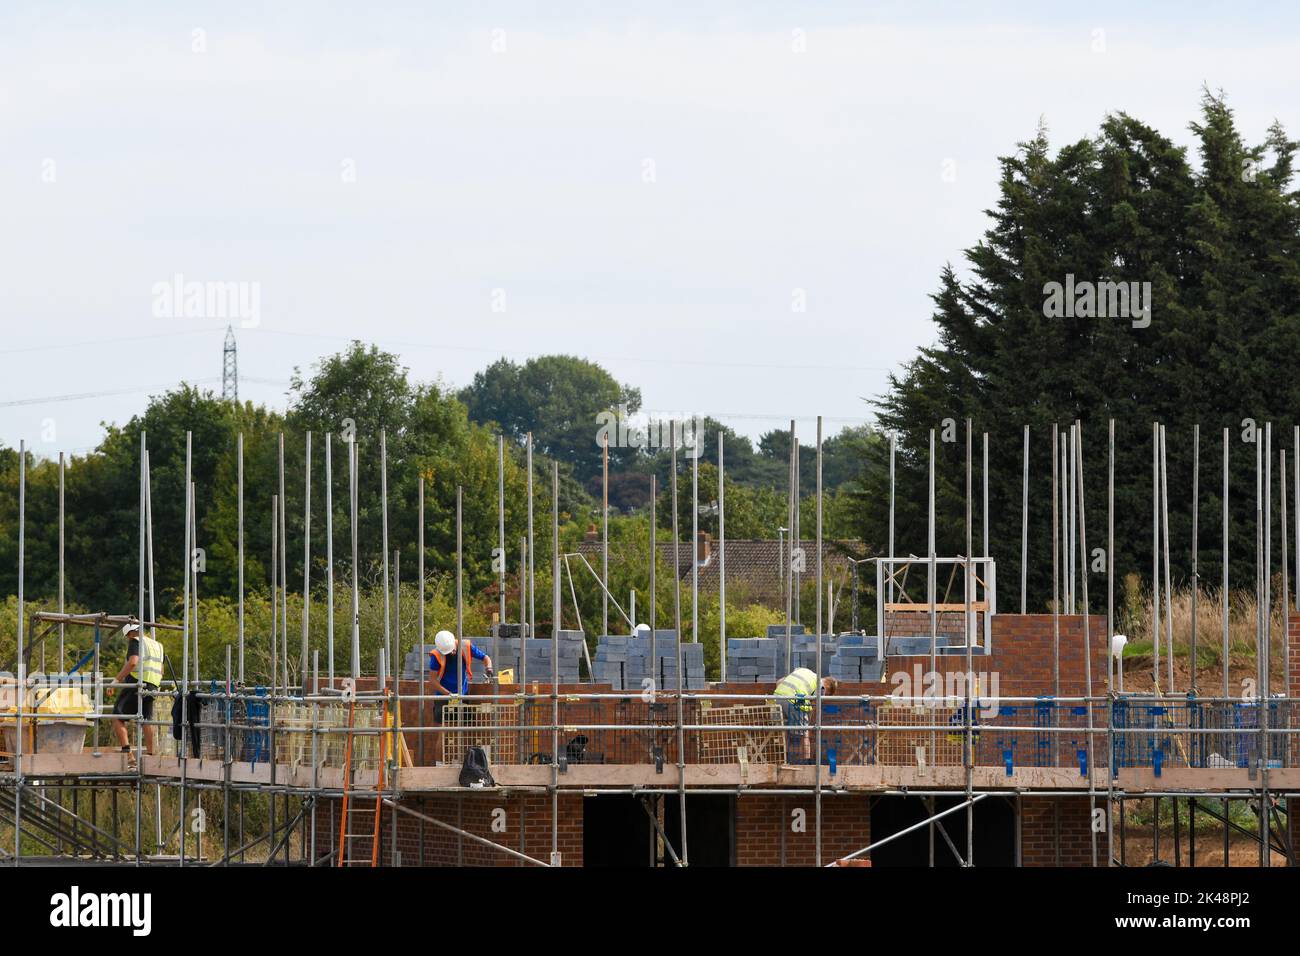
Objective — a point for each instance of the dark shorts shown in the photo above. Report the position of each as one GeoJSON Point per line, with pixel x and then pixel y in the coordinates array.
{"type": "Point", "coordinates": [126, 703]}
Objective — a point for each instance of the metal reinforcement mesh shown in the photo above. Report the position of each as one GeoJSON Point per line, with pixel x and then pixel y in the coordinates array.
{"type": "Point", "coordinates": [332, 744]}
{"type": "Point", "coordinates": [897, 745]}
{"type": "Point", "coordinates": [849, 748]}
{"type": "Point", "coordinates": [1054, 734]}
{"type": "Point", "coordinates": [469, 724]}
{"type": "Point", "coordinates": [1165, 738]}
{"type": "Point", "coordinates": [744, 743]}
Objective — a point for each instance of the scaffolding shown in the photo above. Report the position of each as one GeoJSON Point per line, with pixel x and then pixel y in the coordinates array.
{"type": "Point", "coordinates": [275, 762]}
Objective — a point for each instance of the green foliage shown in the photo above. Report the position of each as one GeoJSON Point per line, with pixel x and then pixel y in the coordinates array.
{"type": "Point", "coordinates": [557, 399]}
{"type": "Point", "coordinates": [1218, 245]}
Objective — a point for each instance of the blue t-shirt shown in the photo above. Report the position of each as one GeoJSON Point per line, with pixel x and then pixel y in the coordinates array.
{"type": "Point", "coordinates": [451, 677]}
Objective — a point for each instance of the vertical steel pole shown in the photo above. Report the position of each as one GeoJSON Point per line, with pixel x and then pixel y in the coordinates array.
{"type": "Point", "coordinates": [20, 687]}
{"type": "Point", "coordinates": [1169, 608]}
{"type": "Point", "coordinates": [1024, 529]}
{"type": "Point", "coordinates": [532, 569]}
{"type": "Point", "coordinates": [722, 558]}
{"type": "Point", "coordinates": [353, 465]}
{"type": "Point", "coordinates": [383, 519]}
{"type": "Point", "coordinates": [424, 655]}
{"type": "Point", "coordinates": [654, 562]}
{"type": "Point", "coordinates": [239, 454]}
{"type": "Point", "coordinates": [284, 573]}
{"type": "Point", "coordinates": [677, 553]}
{"type": "Point", "coordinates": [306, 560]}
{"type": "Point", "coordinates": [1110, 571]}
{"type": "Point", "coordinates": [1077, 443]}
{"type": "Point", "coordinates": [501, 533]}
{"type": "Point", "coordinates": [1224, 593]}
{"type": "Point", "coordinates": [1155, 555]}
{"type": "Point", "coordinates": [1110, 637]}
{"type": "Point", "coordinates": [460, 564]}
{"type": "Point", "coordinates": [139, 697]}
{"type": "Point", "coordinates": [329, 560]}
{"type": "Point", "coordinates": [892, 489]}
{"type": "Point", "coordinates": [1286, 560]}
{"type": "Point", "coordinates": [555, 663]}
{"type": "Point", "coordinates": [1056, 572]}
{"type": "Point", "coordinates": [184, 744]}
{"type": "Point", "coordinates": [1071, 529]}
{"type": "Point", "coordinates": [789, 560]}
{"type": "Point", "coordinates": [604, 539]}
{"type": "Point", "coordinates": [1196, 576]}
{"type": "Point", "coordinates": [275, 586]}
{"type": "Point", "coordinates": [817, 765]}
{"type": "Point", "coordinates": [696, 451]}
{"type": "Point", "coordinates": [984, 473]}
{"type": "Point", "coordinates": [968, 757]}
{"type": "Point", "coordinates": [932, 586]}
{"type": "Point", "coordinates": [62, 658]}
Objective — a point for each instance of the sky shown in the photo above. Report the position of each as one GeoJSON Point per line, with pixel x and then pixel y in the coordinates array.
{"type": "Point", "coordinates": [741, 209]}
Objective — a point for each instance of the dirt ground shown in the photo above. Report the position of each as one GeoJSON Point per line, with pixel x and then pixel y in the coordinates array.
{"type": "Point", "coordinates": [1242, 851]}
{"type": "Point", "coordinates": [1209, 678]}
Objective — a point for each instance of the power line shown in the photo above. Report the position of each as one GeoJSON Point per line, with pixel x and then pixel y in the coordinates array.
{"type": "Point", "coordinates": [767, 366]}
{"type": "Point", "coordinates": [80, 396]}
{"type": "Point", "coordinates": [88, 342]}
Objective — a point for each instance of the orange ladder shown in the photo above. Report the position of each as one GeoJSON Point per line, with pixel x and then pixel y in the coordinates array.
{"type": "Point", "coordinates": [361, 807]}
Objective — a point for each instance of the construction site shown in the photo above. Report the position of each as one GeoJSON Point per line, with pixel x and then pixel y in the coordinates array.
{"type": "Point", "coordinates": [960, 731]}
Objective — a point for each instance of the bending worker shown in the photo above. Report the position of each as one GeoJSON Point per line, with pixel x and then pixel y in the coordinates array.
{"type": "Point", "coordinates": [451, 664]}
{"type": "Point", "coordinates": [796, 692]}
{"type": "Point", "coordinates": [143, 665]}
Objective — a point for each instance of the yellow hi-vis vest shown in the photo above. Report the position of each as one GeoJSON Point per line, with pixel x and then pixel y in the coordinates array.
{"type": "Point", "coordinates": [799, 683]}
{"type": "Point", "coordinates": [150, 662]}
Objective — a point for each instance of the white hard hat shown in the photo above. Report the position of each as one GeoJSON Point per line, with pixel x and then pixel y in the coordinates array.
{"type": "Point", "coordinates": [445, 642]}
{"type": "Point", "coordinates": [643, 629]}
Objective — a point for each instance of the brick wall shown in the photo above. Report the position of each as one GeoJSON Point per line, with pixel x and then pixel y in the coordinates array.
{"type": "Point", "coordinates": [526, 821]}
{"type": "Point", "coordinates": [764, 835]}
{"type": "Point", "coordinates": [1293, 647]}
{"type": "Point", "coordinates": [917, 624]}
{"type": "Point", "coordinates": [1022, 656]}
{"type": "Point", "coordinates": [1042, 844]}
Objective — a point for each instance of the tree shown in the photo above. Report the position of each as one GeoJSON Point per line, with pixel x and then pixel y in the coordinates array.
{"type": "Point", "coordinates": [1217, 246]}
{"type": "Point", "coordinates": [558, 399]}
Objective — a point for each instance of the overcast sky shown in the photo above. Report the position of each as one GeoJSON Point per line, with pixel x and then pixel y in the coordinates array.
{"type": "Point", "coordinates": [659, 187]}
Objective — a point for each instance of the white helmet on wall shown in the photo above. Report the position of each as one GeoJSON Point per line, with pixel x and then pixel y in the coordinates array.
{"type": "Point", "coordinates": [445, 642]}
{"type": "Point", "coordinates": [643, 630]}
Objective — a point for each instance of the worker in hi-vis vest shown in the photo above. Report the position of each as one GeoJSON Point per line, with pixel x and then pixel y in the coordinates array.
{"type": "Point", "coordinates": [795, 693]}
{"type": "Point", "coordinates": [143, 665]}
{"type": "Point", "coordinates": [450, 661]}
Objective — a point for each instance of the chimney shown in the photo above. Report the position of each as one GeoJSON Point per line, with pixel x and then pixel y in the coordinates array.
{"type": "Point", "coordinates": [703, 548]}
{"type": "Point", "coordinates": [592, 535]}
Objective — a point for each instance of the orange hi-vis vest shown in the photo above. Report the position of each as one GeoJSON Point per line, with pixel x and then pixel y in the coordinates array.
{"type": "Point", "coordinates": [464, 655]}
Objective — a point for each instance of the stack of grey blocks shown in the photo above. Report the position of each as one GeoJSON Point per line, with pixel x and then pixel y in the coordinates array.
{"type": "Point", "coordinates": [623, 661]}
{"type": "Point", "coordinates": [855, 660]}
{"type": "Point", "coordinates": [846, 657]}
{"type": "Point", "coordinates": [752, 660]}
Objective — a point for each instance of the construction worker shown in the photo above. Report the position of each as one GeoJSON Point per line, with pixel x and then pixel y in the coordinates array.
{"type": "Point", "coordinates": [143, 665]}
{"type": "Point", "coordinates": [796, 692]}
{"type": "Point", "coordinates": [450, 661]}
